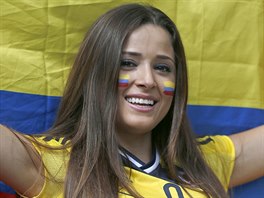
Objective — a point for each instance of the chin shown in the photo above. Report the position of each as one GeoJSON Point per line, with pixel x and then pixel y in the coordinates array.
{"type": "Point", "coordinates": [137, 127]}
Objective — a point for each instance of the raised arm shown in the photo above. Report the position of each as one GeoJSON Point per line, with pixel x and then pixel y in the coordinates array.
{"type": "Point", "coordinates": [20, 165]}
{"type": "Point", "coordinates": [249, 164]}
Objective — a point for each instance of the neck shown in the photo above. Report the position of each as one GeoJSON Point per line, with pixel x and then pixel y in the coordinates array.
{"type": "Point", "coordinates": [138, 144]}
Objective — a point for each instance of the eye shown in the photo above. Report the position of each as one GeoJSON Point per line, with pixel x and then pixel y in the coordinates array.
{"type": "Point", "coordinates": [162, 68]}
{"type": "Point", "coordinates": [128, 63]}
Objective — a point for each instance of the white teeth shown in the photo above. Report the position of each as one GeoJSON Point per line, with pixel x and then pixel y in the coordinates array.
{"type": "Point", "coordinates": [140, 101]}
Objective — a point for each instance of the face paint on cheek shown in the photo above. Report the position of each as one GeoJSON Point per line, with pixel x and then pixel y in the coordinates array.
{"type": "Point", "coordinates": [169, 87]}
{"type": "Point", "coordinates": [123, 80]}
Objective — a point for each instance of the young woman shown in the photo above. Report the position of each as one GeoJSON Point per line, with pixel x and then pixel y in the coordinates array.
{"type": "Point", "coordinates": [121, 130]}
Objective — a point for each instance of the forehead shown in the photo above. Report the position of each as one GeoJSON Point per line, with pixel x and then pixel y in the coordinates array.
{"type": "Point", "coordinates": [151, 38]}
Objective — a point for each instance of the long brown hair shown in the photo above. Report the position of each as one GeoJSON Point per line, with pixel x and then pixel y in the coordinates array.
{"type": "Point", "coordinates": [87, 113]}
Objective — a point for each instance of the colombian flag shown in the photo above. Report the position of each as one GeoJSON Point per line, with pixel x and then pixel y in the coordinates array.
{"type": "Point", "coordinates": [224, 47]}
{"type": "Point", "coordinates": [123, 80]}
{"type": "Point", "coordinates": [169, 88]}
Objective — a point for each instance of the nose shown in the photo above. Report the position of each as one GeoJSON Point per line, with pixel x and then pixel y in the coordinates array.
{"type": "Point", "coordinates": [145, 77]}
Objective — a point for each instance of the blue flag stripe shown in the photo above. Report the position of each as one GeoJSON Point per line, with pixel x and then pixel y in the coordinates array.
{"type": "Point", "coordinates": [35, 113]}
{"type": "Point", "coordinates": [27, 113]}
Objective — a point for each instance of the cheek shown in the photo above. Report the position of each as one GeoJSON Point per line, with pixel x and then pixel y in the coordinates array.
{"type": "Point", "coordinates": [167, 102]}
{"type": "Point", "coordinates": [123, 80]}
{"type": "Point", "coordinates": [168, 88]}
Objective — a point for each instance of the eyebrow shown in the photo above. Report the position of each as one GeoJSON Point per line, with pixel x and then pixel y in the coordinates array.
{"type": "Point", "coordinates": [139, 55]}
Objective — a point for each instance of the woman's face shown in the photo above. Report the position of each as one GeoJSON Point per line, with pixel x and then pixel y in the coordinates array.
{"type": "Point", "coordinates": [146, 81]}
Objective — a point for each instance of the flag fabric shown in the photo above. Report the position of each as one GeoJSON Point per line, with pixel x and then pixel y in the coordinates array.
{"type": "Point", "coordinates": [224, 43]}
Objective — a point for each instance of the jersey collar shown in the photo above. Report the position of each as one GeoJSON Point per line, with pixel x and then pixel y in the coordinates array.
{"type": "Point", "coordinates": [132, 161]}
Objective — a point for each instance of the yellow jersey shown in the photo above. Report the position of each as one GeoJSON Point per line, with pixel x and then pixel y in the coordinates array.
{"type": "Point", "coordinates": [150, 179]}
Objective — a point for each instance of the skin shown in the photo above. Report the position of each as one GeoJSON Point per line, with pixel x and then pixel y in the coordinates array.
{"type": "Point", "coordinates": [148, 59]}
{"type": "Point", "coordinates": [249, 164]}
{"type": "Point", "coordinates": [17, 168]}
{"type": "Point", "coordinates": [152, 46]}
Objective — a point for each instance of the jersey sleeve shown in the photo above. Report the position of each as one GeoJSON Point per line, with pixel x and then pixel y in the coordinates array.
{"type": "Point", "coordinates": [219, 153]}
{"type": "Point", "coordinates": [55, 162]}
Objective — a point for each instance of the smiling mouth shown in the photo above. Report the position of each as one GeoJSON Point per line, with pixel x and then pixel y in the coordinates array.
{"type": "Point", "coordinates": [140, 101]}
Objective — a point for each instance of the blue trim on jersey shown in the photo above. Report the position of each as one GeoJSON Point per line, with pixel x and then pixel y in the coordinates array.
{"type": "Point", "coordinates": [167, 187]}
{"type": "Point", "coordinates": [154, 165]}
{"type": "Point", "coordinates": [133, 161]}
{"type": "Point", "coordinates": [206, 141]}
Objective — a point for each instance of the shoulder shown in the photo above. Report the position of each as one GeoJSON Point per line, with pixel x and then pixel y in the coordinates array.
{"type": "Point", "coordinates": [20, 165]}
{"type": "Point", "coordinates": [51, 148]}
{"type": "Point", "coordinates": [46, 143]}
{"type": "Point", "coordinates": [217, 143]}
{"type": "Point", "coordinates": [50, 141]}
{"type": "Point", "coordinates": [219, 153]}
{"type": "Point", "coordinates": [55, 154]}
